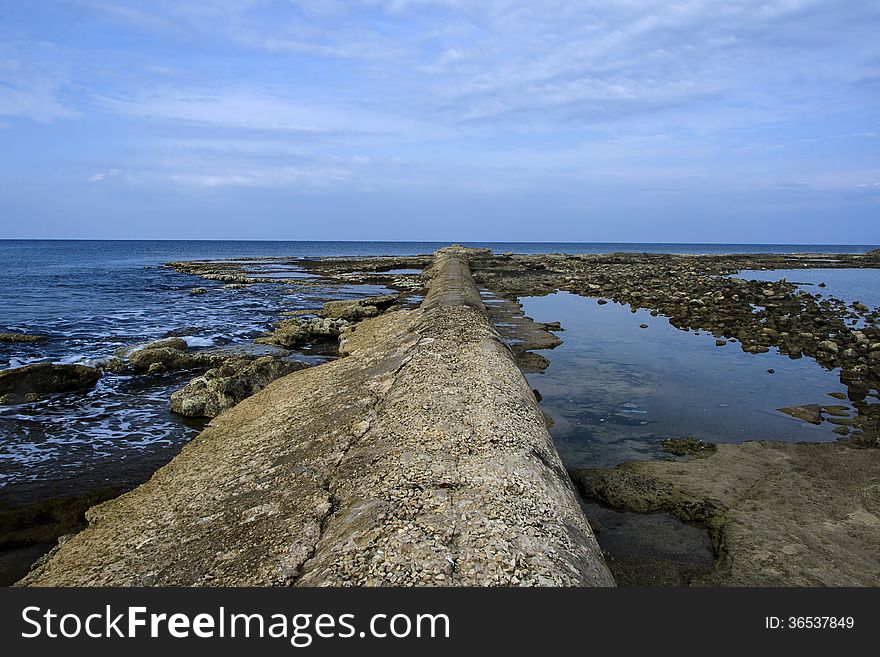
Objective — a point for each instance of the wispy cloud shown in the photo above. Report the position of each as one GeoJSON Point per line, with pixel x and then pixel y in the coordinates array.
{"type": "Point", "coordinates": [587, 98]}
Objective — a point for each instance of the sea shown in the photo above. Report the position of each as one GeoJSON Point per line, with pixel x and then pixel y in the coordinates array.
{"type": "Point", "coordinates": [95, 297]}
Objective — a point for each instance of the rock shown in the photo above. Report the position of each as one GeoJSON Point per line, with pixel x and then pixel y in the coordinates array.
{"type": "Point", "coordinates": [830, 347]}
{"type": "Point", "coordinates": [778, 514]}
{"type": "Point", "coordinates": [770, 370]}
{"type": "Point", "coordinates": [109, 364]}
{"type": "Point", "coordinates": [601, 302]}
{"type": "Point", "coordinates": [688, 447]}
{"type": "Point", "coordinates": [225, 386]}
{"type": "Point", "coordinates": [811, 413]}
{"type": "Point", "coordinates": [291, 333]}
{"type": "Point", "coordinates": [32, 382]}
{"type": "Point", "coordinates": [644, 326]}
{"type": "Point", "coordinates": [532, 363]}
{"type": "Point", "coordinates": [197, 290]}
{"type": "Point", "coordinates": [720, 343]}
{"type": "Point", "coordinates": [183, 330]}
{"type": "Point", "coordinates": [837, 395]}
{"type": "Point", "coordinates": [836, 411]}
{"type": "Point", "coordinates": [22, 337]}
{"type": "Point", "coordinates": [167, 355]}
{"type": "Point", "coordinates": [166, 343]}
{"type": "Point", "coordinates": [354, 310]}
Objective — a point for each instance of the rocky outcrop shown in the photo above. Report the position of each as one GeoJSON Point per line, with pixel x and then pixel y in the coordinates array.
{"type": "Point", "coordinates": [354, 310]}
{"type": "Point", "coordinates": [295, 332]}
{"type": "Point", "coordinates": [223, 387]}
{"type": "Point", "coordinates": [421, 458]}
{"type": "Point", "coordinates": [779, 514]}
{"type": "Point", "coordinates": [32, 382]}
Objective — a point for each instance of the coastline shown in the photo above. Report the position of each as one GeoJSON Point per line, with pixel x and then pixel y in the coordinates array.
{"type": "Point", "coordinates": [644, 280]}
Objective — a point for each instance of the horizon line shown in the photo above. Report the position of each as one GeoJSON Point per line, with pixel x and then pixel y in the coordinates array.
{"type": "Point", "coordinates": [412, 241]}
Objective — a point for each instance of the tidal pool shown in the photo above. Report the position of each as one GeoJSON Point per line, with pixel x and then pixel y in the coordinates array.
{"type": "Point", "coordinates": [615, 391]}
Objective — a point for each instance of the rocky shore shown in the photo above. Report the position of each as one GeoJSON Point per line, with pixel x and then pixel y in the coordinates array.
{"type": "Point", "coordinates": [778, 514]}
{"type": "Point", "coordinates": [421, 445]}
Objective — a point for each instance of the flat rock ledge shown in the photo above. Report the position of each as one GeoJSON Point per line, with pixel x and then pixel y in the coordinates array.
{"type": "Point", "coordinates": [420, 458]}
{"type": "Point", "coordinates": [779, 514]}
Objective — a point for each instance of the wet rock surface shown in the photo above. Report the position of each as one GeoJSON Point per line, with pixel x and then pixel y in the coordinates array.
{"type": "Point", "coordinates": [22, 337]}
{"type": "Point", "coordinates": [778, 514]}
{"type": "Point", "coordinates": [295, 332]}
{"type": "Point", "coordinates": [223, 387]}
{"type": "Point", "coordinates": [420, 458]}
{"type": "Point", "coordinates": [28, 531]}
{"type": "Point", "coordinates": [31, 382]}
{"type": "Point", "coordinates": [167, 355]}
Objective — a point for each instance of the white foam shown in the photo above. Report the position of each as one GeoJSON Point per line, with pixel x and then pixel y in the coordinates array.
{"type": "Point", "coordinates": [194, 341]}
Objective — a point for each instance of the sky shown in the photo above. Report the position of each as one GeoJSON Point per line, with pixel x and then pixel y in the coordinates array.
{"type": "Point", "coordinates": [453, 120]}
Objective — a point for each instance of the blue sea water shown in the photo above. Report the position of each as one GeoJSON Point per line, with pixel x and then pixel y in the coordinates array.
{"type": "Point", "coordinates": [93, 297]}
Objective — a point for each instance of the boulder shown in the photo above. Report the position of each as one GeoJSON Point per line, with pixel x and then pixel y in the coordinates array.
{"type": "Point", "coordinates": [167, 355]}
{"type": "Point", "coordinates": [223, 387]}
{"type": "Point", "coordinates": [829, 346]}
{"type": "Point", "coordinates": [32, 382]}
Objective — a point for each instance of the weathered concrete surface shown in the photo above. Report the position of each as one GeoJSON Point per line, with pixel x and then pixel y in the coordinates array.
{"type": "Point", "coordinates": [779, 514]}
{"type": "Point", "coordinates": [420, 458]}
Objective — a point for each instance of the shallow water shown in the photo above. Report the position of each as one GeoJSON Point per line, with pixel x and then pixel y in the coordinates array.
{"type": "Point", "coordinates": [615, 390]}
{"type": "Point", "coordinates": [849, 285]}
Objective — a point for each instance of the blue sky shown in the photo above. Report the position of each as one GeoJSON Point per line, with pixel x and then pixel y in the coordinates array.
{"type": "Point", "coordinates": [553, 120]}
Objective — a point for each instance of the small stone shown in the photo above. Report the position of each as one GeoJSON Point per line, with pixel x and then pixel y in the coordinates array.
{"type": "Point", "coordinates": [830, 347]}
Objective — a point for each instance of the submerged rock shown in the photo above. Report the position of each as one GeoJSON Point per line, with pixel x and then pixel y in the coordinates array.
{"type": "Point", "coordinates": [811, 413]}
{"type": "Point", "coordinates": [22, 337]}
{"type": "Point", "coordinates": [688, 447]}
{"type": "Point", "coordinates": [197, 290]}
{"type": "Point", "coordinates": [31, 382]}
{"type": "Point", "coordinates": [180, 332]}
{"type": "Point", "coordinates": [223, 387]}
